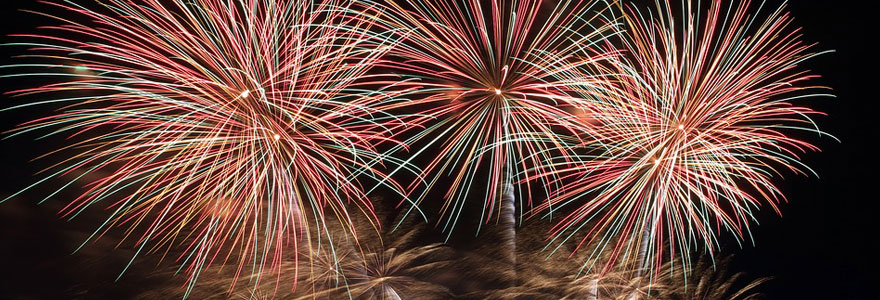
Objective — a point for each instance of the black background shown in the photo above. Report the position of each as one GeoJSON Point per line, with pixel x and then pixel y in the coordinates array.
{"type": "Point", "coordinates": [823, 247]}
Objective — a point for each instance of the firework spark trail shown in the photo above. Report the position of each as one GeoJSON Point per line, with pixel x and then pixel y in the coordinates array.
{"type": "Point", "coordinates": [489, 91]}
{"type": "Point", "coordinates": [223, 126]}
{"type": "Point", "coordinates": [687, 141]}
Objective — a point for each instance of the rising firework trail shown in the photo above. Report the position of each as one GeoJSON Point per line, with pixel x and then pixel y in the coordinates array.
{"type": "Point", "coordinates": [687, 142]}
{"type": "Point", "coordinates": [226, 128]}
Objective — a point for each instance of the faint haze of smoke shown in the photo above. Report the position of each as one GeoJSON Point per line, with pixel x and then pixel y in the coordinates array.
{"type": "Point", "coordinates": [545, 275]}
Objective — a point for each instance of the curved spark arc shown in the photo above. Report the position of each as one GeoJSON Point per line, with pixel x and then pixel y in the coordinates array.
{"type": "Point", "coordinates": [228, 128]}
{"type": "Point", "coordinates": [686, 142]}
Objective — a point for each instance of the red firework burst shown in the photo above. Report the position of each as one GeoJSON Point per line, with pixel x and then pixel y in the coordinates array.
{"type": "Point", "coordinates": [233, 129]}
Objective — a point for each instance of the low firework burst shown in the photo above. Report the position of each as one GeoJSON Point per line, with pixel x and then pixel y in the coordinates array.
{"type": "Point", "coordinates": [394, 273]}
{"type": "Point", "coordinates": [228, 128]}
{"type": "Point", "coordinates": [385, 266]}
{"type": "Point", "coordinates": [389, 266]}
{"type": "Point", "coordinates": [687, 142]}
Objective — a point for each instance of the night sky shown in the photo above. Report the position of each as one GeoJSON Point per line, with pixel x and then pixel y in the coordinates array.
{"type": "Point", "coordinates": [823, 247]}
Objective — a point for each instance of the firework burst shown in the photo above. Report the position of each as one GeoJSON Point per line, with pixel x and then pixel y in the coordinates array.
{"type": "Point", "coordinates": [687, 141]}
{"type": "Point", "coordinates": [488, 90]}
{"type": "Point", "coordinates": [226, 128]}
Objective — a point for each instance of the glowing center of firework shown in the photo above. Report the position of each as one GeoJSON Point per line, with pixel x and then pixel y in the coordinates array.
{"type": "Point", "coordinates": [497, 91]}
{"type": "Point", "coordinates": [680, 127]}
{"type": "Point", "coordinates": [276, 137]}
{"type": "Point", "coordinates": [245, 94]}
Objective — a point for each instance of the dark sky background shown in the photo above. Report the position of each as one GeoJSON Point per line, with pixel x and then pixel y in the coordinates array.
{"type": "Point", "coordinates": [824, 246]}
